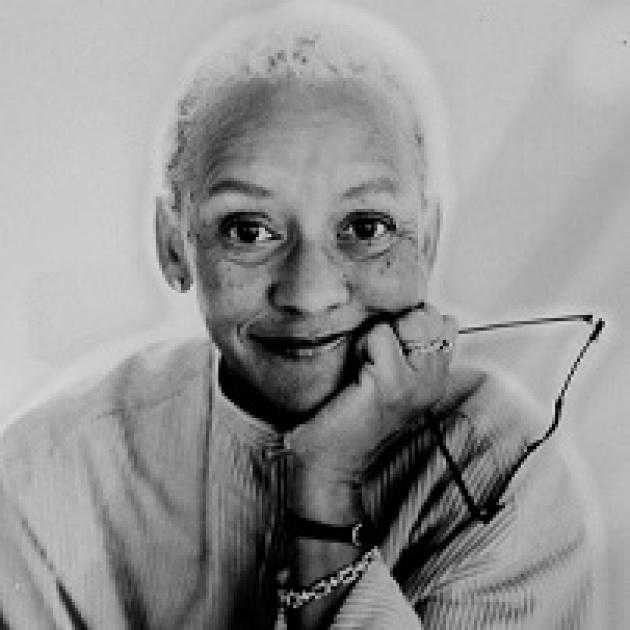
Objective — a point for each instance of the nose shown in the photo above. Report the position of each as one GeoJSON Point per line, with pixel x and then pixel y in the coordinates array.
{"type": "Point", "coordinates": [309, 281]}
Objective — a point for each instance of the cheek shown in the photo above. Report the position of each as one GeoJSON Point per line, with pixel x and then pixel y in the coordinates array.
{"type": "Point", "coordinates": [229, 291]}
{"type": "Point", "coordinates": [393, 281]}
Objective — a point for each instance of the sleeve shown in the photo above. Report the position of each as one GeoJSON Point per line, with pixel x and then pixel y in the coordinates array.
{"type": "Point", "coordinates": [377, 603]}
{"type": "Point", "coordinates": [531, 569]}
{"type": "Point", "coordinates": [28, 589]}
{"type": "Point", "coordinates": [532, 566]}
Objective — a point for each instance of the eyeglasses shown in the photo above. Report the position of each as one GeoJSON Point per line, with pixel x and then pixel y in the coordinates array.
{"type": "Point", "coordinates": [486, 512]}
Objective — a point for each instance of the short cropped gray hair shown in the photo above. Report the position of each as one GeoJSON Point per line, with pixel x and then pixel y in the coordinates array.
{"type": "Point", "coordinates": [310, 42]}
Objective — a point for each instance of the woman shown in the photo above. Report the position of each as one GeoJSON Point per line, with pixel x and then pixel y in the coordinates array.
{"type": "Point", "coordinates": [288, 471]}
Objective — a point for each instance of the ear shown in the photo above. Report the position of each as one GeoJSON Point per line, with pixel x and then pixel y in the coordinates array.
{"type": "Point", "coordinates": [171, 248]}
{"type": "Point", "coordinates": [430, 229]}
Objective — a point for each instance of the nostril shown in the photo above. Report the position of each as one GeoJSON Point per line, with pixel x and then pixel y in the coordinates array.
{"type": "Point", "coordinates": [276, 299]}
{"type": "Point", "coordinates": [310, 280]}
{"type": "Point", "coordinates": [318, 291]}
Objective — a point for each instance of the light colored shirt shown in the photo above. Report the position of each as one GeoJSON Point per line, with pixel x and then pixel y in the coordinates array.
{"type": "Point", "coordinates": [148, 500]}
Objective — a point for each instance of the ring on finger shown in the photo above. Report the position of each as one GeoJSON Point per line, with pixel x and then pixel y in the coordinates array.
{"type": "Point", "coordinates": [426, 347]}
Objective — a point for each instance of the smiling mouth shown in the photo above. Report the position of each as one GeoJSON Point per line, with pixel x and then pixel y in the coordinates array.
{"type": "Point", "coordinates": [301, 347]}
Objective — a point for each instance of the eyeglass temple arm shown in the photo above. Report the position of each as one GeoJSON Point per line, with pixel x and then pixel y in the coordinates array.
{"type": "Point", "coordinates": [586, 317]}
{"type": "Point", "coordinates": [486, 513]}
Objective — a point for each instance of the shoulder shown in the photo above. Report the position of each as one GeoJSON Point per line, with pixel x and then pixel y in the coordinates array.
{"type": "Point", "coordinates": [486, 420]}
{"type": "Point", "coordinates": [100, 405]}
{"type": "Point", "coordinates": [495, 403]}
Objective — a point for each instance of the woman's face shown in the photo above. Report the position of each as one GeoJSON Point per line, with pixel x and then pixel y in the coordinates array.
{"type": "Point", "coordinates": [308, 222]}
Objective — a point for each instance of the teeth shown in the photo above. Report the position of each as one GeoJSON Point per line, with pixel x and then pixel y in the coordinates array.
{"type": "Point", "coordinates": [306, 352]}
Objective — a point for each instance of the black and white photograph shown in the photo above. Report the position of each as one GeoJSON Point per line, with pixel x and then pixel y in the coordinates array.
{"type": "Point", "coordinates": [313, 315]}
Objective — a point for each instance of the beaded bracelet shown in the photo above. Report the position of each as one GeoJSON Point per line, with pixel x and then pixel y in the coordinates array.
{"type": "Point", "coordinates": [345, 576]}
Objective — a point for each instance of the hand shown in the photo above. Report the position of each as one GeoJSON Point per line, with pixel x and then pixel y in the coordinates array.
{"type": "Point", "coordinates": [393, 389]}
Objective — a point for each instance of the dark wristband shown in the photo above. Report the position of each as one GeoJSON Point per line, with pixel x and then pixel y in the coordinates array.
{"type": "Point", "coordinates": [359, 534]}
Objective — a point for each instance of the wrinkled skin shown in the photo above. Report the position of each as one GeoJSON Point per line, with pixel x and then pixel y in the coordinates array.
{"type": "Point", "coordinates": [309, 224]}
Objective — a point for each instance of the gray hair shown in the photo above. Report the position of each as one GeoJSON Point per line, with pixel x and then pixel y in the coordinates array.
{"type": "Point", "coordinates": [311, 43]}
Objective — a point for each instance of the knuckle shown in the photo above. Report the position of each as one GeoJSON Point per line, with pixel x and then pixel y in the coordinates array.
{"type": "Point", "coordinates": [428, 309]}
{"type": "Point", "coordinates": [367, 379]}
{"type": "Point", "coordinates": [381, 334]}
{"type": "Point", "coordinates": [413, 325]}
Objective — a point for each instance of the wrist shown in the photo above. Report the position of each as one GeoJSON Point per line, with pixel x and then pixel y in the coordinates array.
{"type": "Point", "coordinates": [360, 534]}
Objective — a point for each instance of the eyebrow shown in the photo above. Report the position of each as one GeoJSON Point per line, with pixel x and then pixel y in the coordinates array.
{"type": "Point", "coordinates": [378, 185]}
{"type": "Point", "coordinates": [238, 186]}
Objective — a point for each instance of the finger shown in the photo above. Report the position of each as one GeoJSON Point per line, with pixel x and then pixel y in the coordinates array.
{"type": "Point", "coordinates": [420, 324]}
{"type": "Point", "coordinates": [423, 333]}
{"type": "Point", "coordinates": [434, 355]}
{"type": "Point", "coordinates": [383, 353]}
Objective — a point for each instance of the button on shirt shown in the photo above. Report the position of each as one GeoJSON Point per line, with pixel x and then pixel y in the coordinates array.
{"type": "Point", "coordinates": [147, 499]}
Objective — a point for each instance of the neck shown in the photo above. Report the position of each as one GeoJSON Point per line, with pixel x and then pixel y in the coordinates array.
{"type": "Point", "coordinates": [250, 400]}
{"type": "Point", "coordinates": [245, 396]}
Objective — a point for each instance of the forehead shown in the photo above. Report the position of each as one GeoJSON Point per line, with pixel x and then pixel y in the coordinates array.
{"type": "Point", "coordinates": [337, 125]}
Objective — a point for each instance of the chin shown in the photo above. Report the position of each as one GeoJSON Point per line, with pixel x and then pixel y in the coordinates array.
{"type": "Point", "coordinates": [302, 399]}
{"type": "Point", "coordinates": [285, 388]}
{"type": "Point", "coordinates": [300, 385]}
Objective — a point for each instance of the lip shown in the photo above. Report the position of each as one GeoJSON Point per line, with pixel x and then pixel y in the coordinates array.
{"type": "Point", "coordinates": [295, 347]}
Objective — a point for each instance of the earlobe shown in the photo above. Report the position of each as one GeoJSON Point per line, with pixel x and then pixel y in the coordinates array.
{"type": "Point", "coordinates": [171, 249]}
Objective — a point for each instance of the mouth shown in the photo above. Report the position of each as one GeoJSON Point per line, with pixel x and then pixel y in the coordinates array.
{"type": "Point", "coordinates": [301, 347]}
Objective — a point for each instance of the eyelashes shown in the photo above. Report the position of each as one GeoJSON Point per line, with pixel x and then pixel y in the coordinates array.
{"type": "Point", "coordinates": [245, 229]}
{"type": "Point", "coordinates": [252, 228]}
{"type": "Point", "coordinates": [253, 236]}
{"type": "Point", "coordinates": [366, 226]}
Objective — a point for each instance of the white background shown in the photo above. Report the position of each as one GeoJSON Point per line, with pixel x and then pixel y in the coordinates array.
{"type": "Point", "coordinates": [539, 96]}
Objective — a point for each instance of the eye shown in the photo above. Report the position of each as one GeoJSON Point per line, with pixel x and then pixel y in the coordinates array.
{"type": "Point", "coordinates": [248, 230]}
{"type": "Point", "coordinates": [366, 226]}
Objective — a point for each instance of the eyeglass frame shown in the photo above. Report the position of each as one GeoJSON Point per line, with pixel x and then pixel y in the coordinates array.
{"type": "Point", "coordinates": [487, 512]}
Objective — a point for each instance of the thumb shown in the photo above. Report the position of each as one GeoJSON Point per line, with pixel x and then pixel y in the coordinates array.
{"type": "Point", "coordinates": [383, 355]}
